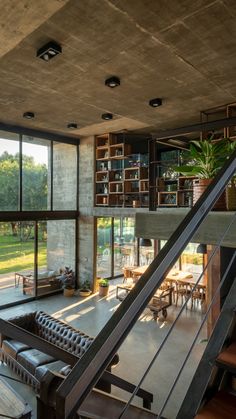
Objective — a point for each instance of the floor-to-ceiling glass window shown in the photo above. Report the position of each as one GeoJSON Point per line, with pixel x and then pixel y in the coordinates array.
{"type": "Point", "coordinates": [40, 176]}
{"type": "Point", "coordinates": [36, 176]}
{"type": "Point", "coordinates": [104, 247]}
{"type": "Point", "coordinates": [9, 172]}
{"type": "Point", "coordinates": [116, 245]}
{"type": "Point", "coordinates": [191, 261]}
{"type": "Point", "coordinates": [16, 260]}
{"type": "Point", "coordinates": [125, 244]}
{"type": "Point", "coordinates": [56, 250]}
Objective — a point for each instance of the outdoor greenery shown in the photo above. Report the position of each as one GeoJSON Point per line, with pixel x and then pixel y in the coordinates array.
{"type": "Point", "coordinates": [35, 183]}
{"type": "Point", "coordinates": [16, 255]}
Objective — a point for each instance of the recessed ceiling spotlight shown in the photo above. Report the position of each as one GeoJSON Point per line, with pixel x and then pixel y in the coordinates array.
{"type": "Point", "coordinates": [155, 102]}
{"type": "Point", "coordinates": [112, 82]}
{"type": "Point", "coordinates": [72, 125]}
{"type": "Point", "coordinates": [107, 116]}
{"type": "Point", "coordinates": [28, 115]}
{"type": "Point", "coordinates": [48, 51]}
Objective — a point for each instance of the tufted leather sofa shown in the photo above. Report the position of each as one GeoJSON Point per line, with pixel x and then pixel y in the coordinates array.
{"type": "Point", "coordinates": [32, 364]}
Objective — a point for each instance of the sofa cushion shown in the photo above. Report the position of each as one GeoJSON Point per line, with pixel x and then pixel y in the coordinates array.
{"type": "Point", "coordinates": [13, 347]}
{"type": "Point", "coordinates": [56, 366]}
{"type": "Point", "coordinates": [33, 358]}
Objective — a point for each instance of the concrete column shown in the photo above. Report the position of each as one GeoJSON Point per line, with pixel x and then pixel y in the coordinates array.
{"type": "Point", "coordinates": [87, 233]}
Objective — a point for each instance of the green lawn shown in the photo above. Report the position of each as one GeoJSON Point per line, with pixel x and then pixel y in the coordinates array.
{"type": "Point", "coordinates": [16, 256]}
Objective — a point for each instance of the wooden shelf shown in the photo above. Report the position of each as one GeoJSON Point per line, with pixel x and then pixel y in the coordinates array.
{"type": "Point", "coordinates": [168, 199]}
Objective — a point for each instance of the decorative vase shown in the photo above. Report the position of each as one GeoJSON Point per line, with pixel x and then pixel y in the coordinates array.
{"type": "Point", "coordinates": [199, 186]}
{"type": "Point", "coordinates": [103, 291]}
{"type": "Point", "coordinates": [69, 292]}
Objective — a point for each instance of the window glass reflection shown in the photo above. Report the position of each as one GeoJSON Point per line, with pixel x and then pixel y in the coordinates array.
{"type": "Point", "coordinates": [35, 174]}
{"type": "Point", "coordinates": [9, 172]}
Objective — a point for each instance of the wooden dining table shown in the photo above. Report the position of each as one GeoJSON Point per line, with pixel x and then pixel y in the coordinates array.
{"type": "Point", "coordinates": [173, 275]}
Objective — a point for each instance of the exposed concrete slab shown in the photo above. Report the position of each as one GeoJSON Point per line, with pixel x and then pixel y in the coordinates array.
{"type": "Point", "coordinates": [184, 52]}
{"type": "Point", "coordinates": [162, 223]}
{"type": "Point", "coordinates": [20, 18]}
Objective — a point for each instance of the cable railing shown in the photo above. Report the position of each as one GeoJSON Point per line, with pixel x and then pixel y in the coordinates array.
{"type": "Point", "coordinates": [88, 370]}
{"type": "Point", "coordinates": [184, 305]}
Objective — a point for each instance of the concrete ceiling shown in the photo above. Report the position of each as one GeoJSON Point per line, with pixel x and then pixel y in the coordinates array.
{"type": "Point", "coordinates": [182, 51]}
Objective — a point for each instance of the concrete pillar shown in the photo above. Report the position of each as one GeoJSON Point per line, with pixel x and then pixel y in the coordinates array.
{"type": "Point", "coordinates": [61, 233]}
{"type": "Point", "coordinates": [86, 260]}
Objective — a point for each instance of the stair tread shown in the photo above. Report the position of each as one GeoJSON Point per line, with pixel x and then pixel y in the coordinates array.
{"type": "Point", "coordinates": [221, 406]}
{"type": "Point", "coordinates": [228, 356]}
{"type": "Point", "coordinates": [100, 405]}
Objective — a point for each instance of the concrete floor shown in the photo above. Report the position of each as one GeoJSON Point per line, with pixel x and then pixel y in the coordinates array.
{"type": "Point", "coordinates": [92, 313]}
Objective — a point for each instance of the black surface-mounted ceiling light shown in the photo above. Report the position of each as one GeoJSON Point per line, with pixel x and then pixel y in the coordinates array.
{"type": "Point", "coordinates": [28, 115]}
{"type": "Point", "coordinates": [48, 51]}
{"type": "Point", "coordinates": [112, 82]}
{"type": "Point", "coordinates": [155, 102]}
{"type": "Point", "coordinates": [107, 116]}
{"type": "Point", "coordinates": [72, 125]}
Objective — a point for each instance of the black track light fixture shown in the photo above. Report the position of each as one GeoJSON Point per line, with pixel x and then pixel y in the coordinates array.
{"type": "Point", "coordinates": [72, 125]}
{"type": "Point", "coordinates": [107, 116]}
{"type": "Point", "coordinates": [28, 115]}
{"type": "Point", "coordinates": [49, 51]}
{"type": "Point", "coordinates": [155, 103]}
{"type": "Point", "coordinates": [112, 82]}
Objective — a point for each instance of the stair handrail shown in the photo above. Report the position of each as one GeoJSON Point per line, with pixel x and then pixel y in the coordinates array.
{"type": "Point", "coordinates": [196, 336]}
{"type": "Point", "coordinates": [216, 248]}
{"type": "Point", "coordinates": [89, 368]}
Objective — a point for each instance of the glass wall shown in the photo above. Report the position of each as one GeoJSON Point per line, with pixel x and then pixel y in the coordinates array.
{"type": "Point", "coordinates": [116, 245]}
{"type": "Point", "coordinates": [36, 168]}
{"type": "Point", "coordinates": [35, 175]}
{"type": "Point", "coordinates": [56, 250]}
{"type": "Point", "coordinates": [9, 172]}
{"type": "Point", "coordinates": [146, 253]}
{"type": "Point", "coordinates": [191, 261]}
{"type": "Point", "coordinates": [16, 260]}
{"type": "Point", "coordinates": [104, 247]}
{"type": "Point", "coordinates": [125, 244]}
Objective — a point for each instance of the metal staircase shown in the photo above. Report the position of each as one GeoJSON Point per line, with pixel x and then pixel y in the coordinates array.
{"type": "Point", "coordinates": [74, 391]}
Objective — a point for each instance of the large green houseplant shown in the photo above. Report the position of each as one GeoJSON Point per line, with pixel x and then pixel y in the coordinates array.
{"type": "Point", "coordinates": [204, 159]}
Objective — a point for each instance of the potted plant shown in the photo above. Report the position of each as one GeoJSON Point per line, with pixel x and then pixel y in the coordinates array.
{"type": "Point", "coordinates": [67, 279]}
{"type": "Point", "coordinates": [85, 290]}
{"type": "Point", "coordinates": [103, 287]}
{"type": "Point", "coordinates": [205, 159]}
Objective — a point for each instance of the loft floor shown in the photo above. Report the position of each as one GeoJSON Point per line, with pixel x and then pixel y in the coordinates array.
{"type": "Point", "coordinates": [92, 313]}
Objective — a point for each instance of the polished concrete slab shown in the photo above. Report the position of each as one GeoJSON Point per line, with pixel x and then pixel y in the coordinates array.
{"type": "Point", "coordinates": [136, 353]}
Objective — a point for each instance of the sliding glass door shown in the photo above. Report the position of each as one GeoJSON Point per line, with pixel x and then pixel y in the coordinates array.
{"type": "Point", "coordinates": [17, 251]}
{"type": "Point", "coordinates": [116, 245]}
